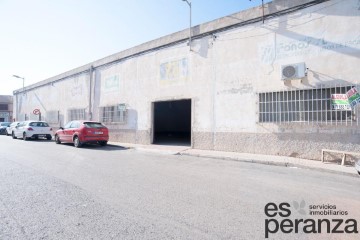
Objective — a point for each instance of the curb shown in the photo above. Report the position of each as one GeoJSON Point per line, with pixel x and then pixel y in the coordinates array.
{"type": "Point", "coordinates": [281, 164]}
{"type": "Point", "coordinates": [118, 146]}
{"type": "Point", "coordinates": [245, 160]}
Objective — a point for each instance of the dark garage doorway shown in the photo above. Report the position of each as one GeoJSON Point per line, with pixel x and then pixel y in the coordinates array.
{"type": "Point", "coordinates": [172, 122]}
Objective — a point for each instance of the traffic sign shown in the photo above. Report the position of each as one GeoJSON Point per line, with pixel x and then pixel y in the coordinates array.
{"type": "Point", "coordinates": [36, 111]}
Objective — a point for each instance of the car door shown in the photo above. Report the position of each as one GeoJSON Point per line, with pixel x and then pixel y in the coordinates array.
{"type": "Point", "coordinates": [18, 129]}
{"type": "Point", "coordinates": [65, 133]}
{"type": "Point", "coordinates": [73, 129]}
{"type": "Point", "coordinates": [12, 126]}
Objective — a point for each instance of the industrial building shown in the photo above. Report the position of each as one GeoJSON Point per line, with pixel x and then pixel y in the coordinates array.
{"type": "Point", "coordinates": [6, 108]}
{"type": "Point", "coordinates": [267, 80]}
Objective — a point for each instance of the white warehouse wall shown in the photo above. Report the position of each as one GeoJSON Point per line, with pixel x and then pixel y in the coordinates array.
{"type": "Point", "coordinates": [222, 75]}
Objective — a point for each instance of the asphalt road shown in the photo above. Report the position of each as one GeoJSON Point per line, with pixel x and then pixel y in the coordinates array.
{"type": "Point", "coordinates": [50, 191]}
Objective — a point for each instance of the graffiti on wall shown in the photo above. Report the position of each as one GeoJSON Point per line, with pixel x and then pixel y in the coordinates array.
{"type": "Point", "coordinates": [111, 84]}
{"type": "Point", "coordinates": [307, 46]}
{"type": "Point", "coordinates": [174, 71]}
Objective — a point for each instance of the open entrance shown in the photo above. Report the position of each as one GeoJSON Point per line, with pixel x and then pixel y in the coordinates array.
{"type": "Point", "coordinates": [172, 122]}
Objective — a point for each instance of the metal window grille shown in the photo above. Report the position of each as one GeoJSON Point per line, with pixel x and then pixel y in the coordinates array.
{"type": "Point", "coordinates": [3, 107]}
{"type": "Point", "coordinates": [307, 106]}
{"type": "Point", "coordinates": [113, 114]}
{"type": "Point", "coordinates": [76, 114]}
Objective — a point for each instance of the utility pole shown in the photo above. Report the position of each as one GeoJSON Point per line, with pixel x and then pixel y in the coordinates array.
{"type": "Point", "coordinates": [189, 3]}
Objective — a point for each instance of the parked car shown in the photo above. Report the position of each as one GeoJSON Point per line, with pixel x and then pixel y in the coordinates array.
{"type": "Point", "coordinates": [357, 166]}
{"type": "Point", "coordinates": [3, 126]}
{"type": "Point", "coordinates": [10, 128]}
{"type": "Point", "coordinates": [32, 129]}
{"type": "Point", "coordinates": [81, 132]}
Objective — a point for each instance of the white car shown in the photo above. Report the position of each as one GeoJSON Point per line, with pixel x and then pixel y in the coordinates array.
{"type": "Point", "coordinates": [32, 129]}
{"type": "Point", "coordinates": [10, 128]}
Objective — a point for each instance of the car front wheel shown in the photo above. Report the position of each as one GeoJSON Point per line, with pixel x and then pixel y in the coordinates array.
{"type": "Point", "coordinates": [57, 139]}
{"type": "Point", "coordinates": [13, 135]}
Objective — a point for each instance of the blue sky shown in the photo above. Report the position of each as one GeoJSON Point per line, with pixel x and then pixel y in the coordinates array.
{"type": "Point", "coordinates": [43, 38]}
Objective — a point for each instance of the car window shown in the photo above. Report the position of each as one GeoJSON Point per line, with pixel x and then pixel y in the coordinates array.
{"type": "Point", "coordinates": [93, 125]}
{"type": "Point", "coordinates": [75, 124]}
{"type": "Point", "coordinates": [39, 124]}
{"type": "Point", "coordinates": [68, 125]}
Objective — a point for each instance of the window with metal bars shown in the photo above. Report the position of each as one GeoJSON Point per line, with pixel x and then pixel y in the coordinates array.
{"type": "Point", "coordinates": [113, 114]}
{"type": "Point", "coordinates": [76, 114]}
{"type": "Point", "coordinates": [3, 107]}
{"type": "Point", "coordinates": [305, 106]}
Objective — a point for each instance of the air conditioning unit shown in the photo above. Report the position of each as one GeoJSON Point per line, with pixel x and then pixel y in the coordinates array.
{"type": "Point", "coordinates": [293, 71]}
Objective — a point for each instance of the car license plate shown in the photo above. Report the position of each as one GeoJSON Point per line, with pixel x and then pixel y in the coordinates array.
{"type": "Point", "coordinates": [98, 132]}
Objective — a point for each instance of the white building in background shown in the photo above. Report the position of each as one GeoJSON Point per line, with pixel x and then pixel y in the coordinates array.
{"type": "Point", "coordinates": [6, 108]}
{"type": "Point", "coordinates": [246, 86]}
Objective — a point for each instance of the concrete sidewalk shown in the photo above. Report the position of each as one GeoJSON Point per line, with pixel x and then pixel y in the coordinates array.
{"type": "Point", "coordinates": [332, 167]}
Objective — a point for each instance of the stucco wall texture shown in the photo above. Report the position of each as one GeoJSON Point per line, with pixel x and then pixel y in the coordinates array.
{"type": "Point", "coordinates": [222, 75]}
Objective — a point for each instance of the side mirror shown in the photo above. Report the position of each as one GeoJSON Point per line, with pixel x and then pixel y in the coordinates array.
{"type": "Point", "coordinates": [61, 128]}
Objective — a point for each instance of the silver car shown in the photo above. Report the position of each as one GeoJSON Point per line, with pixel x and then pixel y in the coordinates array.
{"type": "Point", "coordinates": [3, 126]}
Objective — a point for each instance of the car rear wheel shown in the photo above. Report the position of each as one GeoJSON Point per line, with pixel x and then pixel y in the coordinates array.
{"type": "Point", "coordinates": [24, 137]}
{"type": "Point", "coordinates": [57, 139]}
{"type": "Point", "coordinates": [13, 135]}
{"type": "Point", "coordinates": [77, 142]}
{"type": "Point", "coordinates": [103, 143]}
{"type": "Point", "coordinates": [48, 137]}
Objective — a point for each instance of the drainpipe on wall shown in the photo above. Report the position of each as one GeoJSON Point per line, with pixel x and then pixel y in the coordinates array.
{"type": "Point", "coordinates": [17, 108]}
{"type": "Point", "coordinates": [90, 87]}
{"type": "Point", "coordinates": [214, 62]}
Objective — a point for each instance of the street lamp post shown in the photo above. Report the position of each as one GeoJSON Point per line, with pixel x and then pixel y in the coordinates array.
{"type": "Point", "coordinates": [23, 82]}
{"type": "Point", "coordinates": [262, 6]}
{"type": "Point", "coordinates": [17, 99]}
{"type": "Point", "coordinates": [189, 3]}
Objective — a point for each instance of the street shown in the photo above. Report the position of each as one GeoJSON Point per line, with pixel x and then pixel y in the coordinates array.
{"type": "Point", "coordinates": [51, 191]}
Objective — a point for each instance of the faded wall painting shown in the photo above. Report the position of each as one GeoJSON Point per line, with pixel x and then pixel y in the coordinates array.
{"type": "Point", "coordinates": [110, 84]}
{"type": "Point", "coordinates": [110, 90]}
{"type": "Point", "coordinates": [306, 46]}
{"type": "Point", "coordinates": [174, 71]}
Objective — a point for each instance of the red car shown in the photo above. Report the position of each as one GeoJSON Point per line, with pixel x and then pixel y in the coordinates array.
{"type": "Point", "coordinates": [81, 132]}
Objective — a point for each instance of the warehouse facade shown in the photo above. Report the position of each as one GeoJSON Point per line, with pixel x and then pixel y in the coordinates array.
{"type": "Point", "coordinates": [245, 86]}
